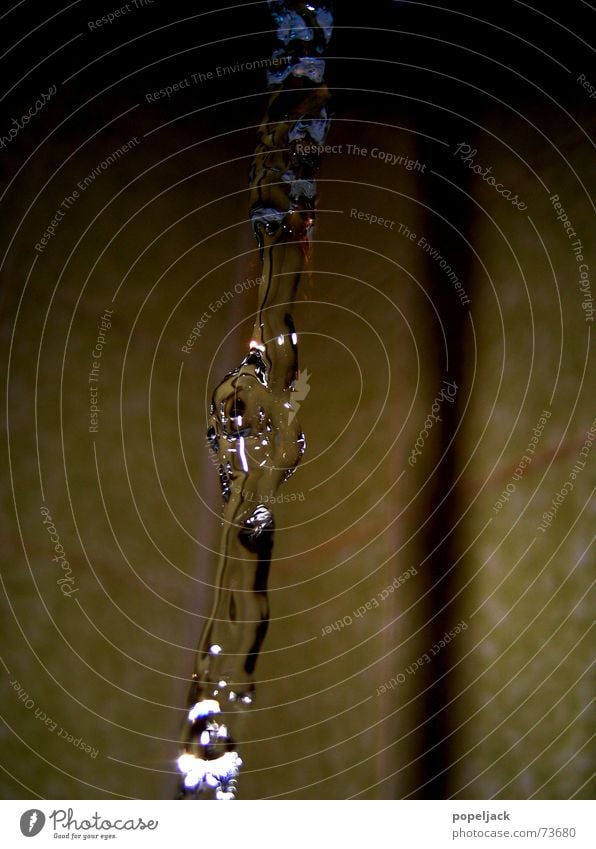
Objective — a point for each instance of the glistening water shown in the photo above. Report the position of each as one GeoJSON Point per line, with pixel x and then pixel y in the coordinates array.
{"type": "Point", "coordinates": [253, 429]}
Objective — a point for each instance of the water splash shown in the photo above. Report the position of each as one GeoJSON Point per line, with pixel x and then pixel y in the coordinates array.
{"type": "Point", "coordinates": [253, 429]}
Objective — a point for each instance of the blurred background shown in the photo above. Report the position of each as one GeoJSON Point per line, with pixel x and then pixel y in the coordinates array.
{"type": "Point", "coordinates": [431, 613]}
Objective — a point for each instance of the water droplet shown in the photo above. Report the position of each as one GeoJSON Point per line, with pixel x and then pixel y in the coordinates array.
{"type": "Point", "coordinates": [253, 430]}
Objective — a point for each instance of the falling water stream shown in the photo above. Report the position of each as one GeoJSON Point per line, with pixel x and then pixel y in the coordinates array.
{"type": "Point", "coordinates": [252, 428]}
